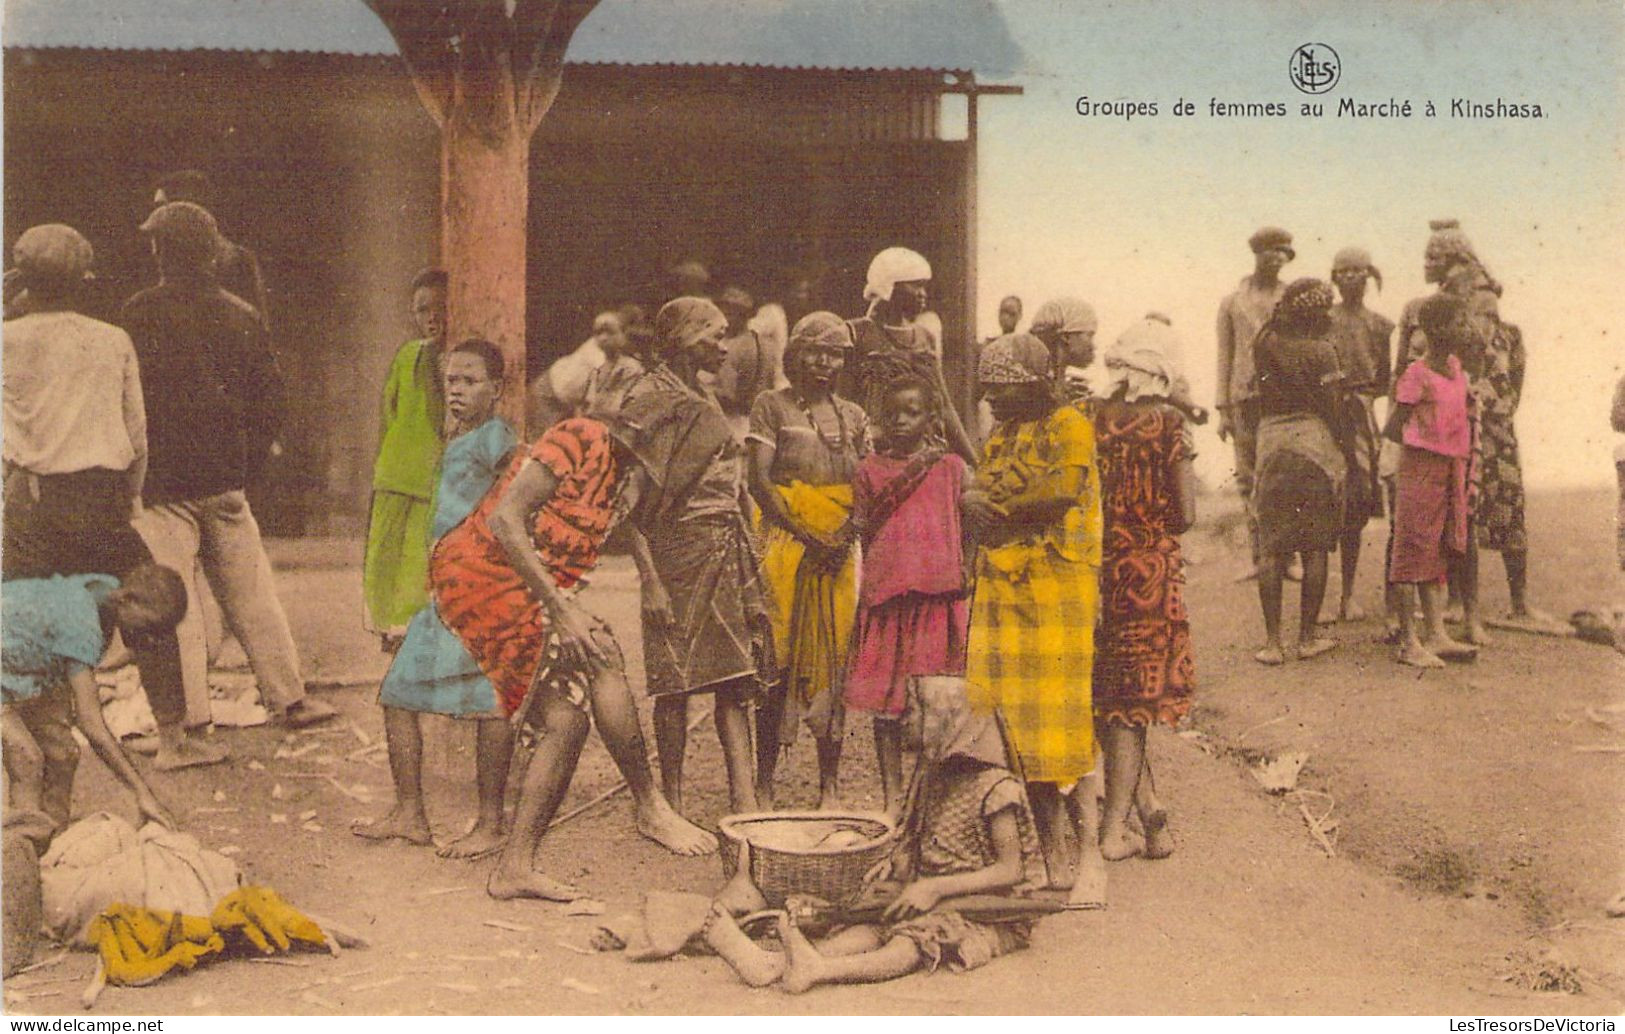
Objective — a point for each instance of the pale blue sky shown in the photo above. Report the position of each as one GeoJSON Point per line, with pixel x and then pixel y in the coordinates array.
{"type": "Point", "coordinates": [1155, 213]}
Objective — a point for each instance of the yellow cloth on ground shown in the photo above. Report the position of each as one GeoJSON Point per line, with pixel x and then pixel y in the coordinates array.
{"type": "Point", "coordinates": [140, 945]}
{"type": "Point", "coordinates": [812, 612]}
{"type": "Point", "coordinates": [1031, 643]}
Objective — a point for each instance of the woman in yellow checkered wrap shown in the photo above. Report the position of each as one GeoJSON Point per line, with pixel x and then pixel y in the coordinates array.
{"type": "Point", "coordinates": [1034, 508]}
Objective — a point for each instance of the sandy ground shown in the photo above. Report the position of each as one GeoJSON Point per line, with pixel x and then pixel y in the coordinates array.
{"type": "Point", "coordinates": [1474, 844]}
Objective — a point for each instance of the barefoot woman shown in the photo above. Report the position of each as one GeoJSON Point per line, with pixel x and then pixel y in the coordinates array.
{"type": "Point", "coordinates": [501, 581]}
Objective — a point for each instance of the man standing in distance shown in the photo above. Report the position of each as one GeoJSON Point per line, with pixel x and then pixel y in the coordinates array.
{"type": "Point", "coordinates": [1241, 314]}
{"type": "Point", "coordinates": [213, 395]}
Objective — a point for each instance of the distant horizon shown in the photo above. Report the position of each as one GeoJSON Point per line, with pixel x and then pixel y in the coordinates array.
{"type": "Point", "coordinates": [1153, 213]}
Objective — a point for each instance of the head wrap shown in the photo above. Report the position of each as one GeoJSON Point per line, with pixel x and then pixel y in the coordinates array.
{"type": "Point", "coordinates": [891, 267]}
{"type": "Point", "coordinates": [1358, 259]}
{"type": "Point", "coordinates": [1272, 238]}
{"type": "Point", "coordinates": [1014, 359]}
{"type": "Point", "coordinates": [819, 330]}
{"type": "Point", "coordinates": [51, 254]}
{"type": "Point", "coordinates": [1140, 362]}
{"type": "Point", "coordinates": [683, 321]}
{"type": "Point", "coordinates": [952, 725]}
{"type": "Point", "coordinates": [1063, 316]}
{"type": "Point", "coordinates": [1302, 300]}
{"type": "Point", "coordinates": [1451, 244]}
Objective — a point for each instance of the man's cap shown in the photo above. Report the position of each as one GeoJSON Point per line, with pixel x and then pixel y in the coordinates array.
{"type": "Point", "coordinates": [185, 226]}
{"type": "Point", "coordinates": [1272, 238]}
{"type": "Point", "coordinates": [52, 253]}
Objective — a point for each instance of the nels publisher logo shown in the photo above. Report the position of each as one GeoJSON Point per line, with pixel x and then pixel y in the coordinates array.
{"type": "Point", "coordinates": [1315, 68]}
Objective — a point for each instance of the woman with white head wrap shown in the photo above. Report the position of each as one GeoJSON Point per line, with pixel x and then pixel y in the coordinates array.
{"type": "Point", "coordinates": [1143, 670]}
{"type": "Point", "coordinates": [889, 343]}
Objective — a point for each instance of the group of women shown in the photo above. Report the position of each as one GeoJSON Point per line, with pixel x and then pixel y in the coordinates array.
{"type": "Point", "coordinates": [1322, 461]}
{"type": "Point", "coordinates": [855, 542]}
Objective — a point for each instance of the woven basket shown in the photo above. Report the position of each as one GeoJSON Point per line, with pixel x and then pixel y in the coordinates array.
{"type": "Point", "coordinates": [789, 853]}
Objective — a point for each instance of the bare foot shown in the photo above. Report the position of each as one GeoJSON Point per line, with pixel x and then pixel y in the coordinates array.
{"type": "Point", "coordinates": [1159, 839]}
{"type": "Point", "coordinates": [1312, 648]}
{"type": "Point", "coordinates": [507, 886]}
{"type": "Point", "coordinates": [188, 753]}
{"type": "Point", "coordinates": [755, 965]}
{"type": "Point", "coordinates": [1119, 843]}
{"type": "Point", "coordinates": [480, 842]}
{"type": "Point", "coordinates": [1474, 634]}
{"type": "Point", "coordinates": [1348, 610]}
{"type": "Point", "coordinates": [1089, 883]}
{"type": "Point", "coordinates": [1294, 570]}
{"type": "Point", "coordinates": [803, 967]}
{"type": "Point", "coordinates": [670, 830]}
{"type": "Point", "coordinates": [1418, 656]}
{"type": "Point", "coordinates": [396, 824]}
{"type": "Point", "coordinates": [1448, 649]}
{"type": "Point", "coordinates": [1270, 655]}
{"type": "Point", "coordinates": [1248, 575]}
{"type": "Point", "coordinates": [828, 801]}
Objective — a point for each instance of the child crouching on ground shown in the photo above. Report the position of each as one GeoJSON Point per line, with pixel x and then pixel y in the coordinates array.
{"type": "Point", "coordinates": [967, 830]}
{"type": "Point", "coordinates": [55, 632]}
{"type": "Point", "coordinates": [1432, 419]}
{"type": "Point", "coordinates": [912, 604]}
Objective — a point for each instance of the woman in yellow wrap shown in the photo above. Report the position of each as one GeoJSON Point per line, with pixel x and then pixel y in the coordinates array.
{"type": "Point", "coordinates": [1034, 509]}
{"type": "Point", "coordinates": [805, 443]}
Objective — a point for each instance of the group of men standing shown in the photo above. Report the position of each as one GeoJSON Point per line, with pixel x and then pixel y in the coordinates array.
{"type": "Point", "coordinates": [135, 442]}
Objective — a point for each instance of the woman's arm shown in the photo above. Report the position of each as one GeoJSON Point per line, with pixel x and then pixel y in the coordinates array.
{"type": "Point", "coordinates": [958, 438]}
{"type": "Point", "coordinates": [1398, 416]}
{"type": "Point", "coordinates": [510, 524]}
{"type": "Point", "coordinates": [87, 708]}
{"type": "Point", "coordinates": [1047, 500]}
{"type": "Point", "coordinates": [1006, 871]}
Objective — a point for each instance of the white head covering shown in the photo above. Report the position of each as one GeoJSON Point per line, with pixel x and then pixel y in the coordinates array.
{"type": "Point", "coordinates": [1142, 361]}
{"type": "Point", "coordinates": [1063, 316]}
{"type": "Point", "coordinates": [892, 267]}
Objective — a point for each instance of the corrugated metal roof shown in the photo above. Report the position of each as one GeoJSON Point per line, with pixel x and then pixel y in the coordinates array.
{"type": "Point", "coordinates": [856, 34]}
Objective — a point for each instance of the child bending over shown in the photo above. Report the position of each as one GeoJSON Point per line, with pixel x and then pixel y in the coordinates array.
{"type": "Point", "coordinates": [55, 631]}
{"type": "Point", "coordinates": [967, 829]}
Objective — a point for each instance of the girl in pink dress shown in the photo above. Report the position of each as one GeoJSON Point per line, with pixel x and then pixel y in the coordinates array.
{"type": "Point", "coordinates": [912, 606]}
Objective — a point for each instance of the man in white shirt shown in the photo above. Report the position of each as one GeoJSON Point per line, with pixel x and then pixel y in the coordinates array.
{"type": "Point", "coordinates": [76, 457]}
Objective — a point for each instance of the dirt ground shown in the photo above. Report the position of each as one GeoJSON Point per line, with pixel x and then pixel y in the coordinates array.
{"type": "Point", "coordinates": [1475, 837]}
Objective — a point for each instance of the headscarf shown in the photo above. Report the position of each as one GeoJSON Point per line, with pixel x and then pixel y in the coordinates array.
{"type": "Point", "coordinates": [891, 267]}
{"type": "Point", "coordinates": [817, 330]}
{"type": "Point", "coordinates": [1451, 243]}
{"type": "Point", "coordinates": [683, 321]}
{"type": "Point", "coordinates": [1014, 359]}
{"type": "Point", "coordinates": [1358, 259]}
{"type": "Point", "coordinates": [1302, 299]}
{"type": "Point", "coordinates": [952, 725]}
{"type": "Point", "coordinates": [1063, 316]}
{"type": "Point", "coordinates": [1140, 364]}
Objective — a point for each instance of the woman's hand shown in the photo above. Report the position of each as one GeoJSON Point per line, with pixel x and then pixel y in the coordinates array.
{"type": "Point", "coordinates": [917, 898]}
{"type": "Point", "coordinates": [657, 612]}
{"type": "Point", "coordinates": [982, 513]}
{"type": "Point", "coordinates": [578, 647]}
{"type": "Point", "coordinates": [153, 810]}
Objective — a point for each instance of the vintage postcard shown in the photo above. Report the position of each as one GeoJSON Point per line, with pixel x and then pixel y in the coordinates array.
{"type": "Point", "coordinates": [732, 507]}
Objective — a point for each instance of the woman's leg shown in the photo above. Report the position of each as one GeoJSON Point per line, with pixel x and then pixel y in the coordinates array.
{"type": "Point", "coordinates": [407, 820]}
{"type": "Point", "coordinates": [754, 964]}
{"type": "Point", "coordinates": [1083, 807]}
{"type": "Point", "coordinates": [1049, 815]}
{"type": "Point", "coordinates": [493, 754]}
{"type": "Point", "coordinates": [806, 968]}
{"type": "Point", "coordinates": [25, 765]}
{"type": "Point", "coordinates": [552, 766]}
{"type": "Point", "coordinates": [732, 720]}
{"type": "Point", "coordinates": [829, 768]}
{"type": "Point", "coordinates": [1347, 609]}
{"type": "Point", "coordinates": [1124, 747]}
{"type": "Point", "coordinates": [617, 717]}
{"type": "Point", "coordinates": [889, 757]}
{"type": "Point", "coordinates": [1466, 567]}
{"type": "Point", "coordinates": [1159, 840]}
{"type": "Point", "coordinates": [49, 719]}
{"type": "Point", "coordinates": [1516, 562]}
{"type": "Point", "coordinates": [1315, 567]}
{"type": "Point", "coordinates": [1269, 598]}
{"type": "Point", "coordinates": [768, 717]}
{"type": "Point", "coordinates": [671, 743]}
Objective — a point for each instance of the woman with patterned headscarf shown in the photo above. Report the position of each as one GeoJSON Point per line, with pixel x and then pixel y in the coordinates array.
{"type": "Point", "coordinates": [1302, 459]}
{"type": "Point", "coordinates": [889, 342]}
{"type": "Point", "coordinates": [1034, 509]}
{"type": "Point", "coordinates": [705, 626]}
{"type": "Point", "coordinates": [1144, 670]}
{"type": "Point", "coordinates": [805, 442]}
